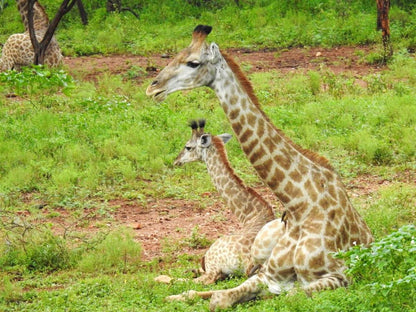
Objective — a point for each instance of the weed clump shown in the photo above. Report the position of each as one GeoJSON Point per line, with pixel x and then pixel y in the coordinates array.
{"type": "Point", "coordinates": [118, 252]}
{"type": "Point", "coordinates": [34, 251]}
{"type": "Point", "coordinates": [387, 267]}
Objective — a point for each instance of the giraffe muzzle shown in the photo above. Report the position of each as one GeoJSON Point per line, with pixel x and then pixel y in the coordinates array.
{"type": "Point", "coordinates": [157, 94]}
{"type": "Point", "coordinates": [177, 162]}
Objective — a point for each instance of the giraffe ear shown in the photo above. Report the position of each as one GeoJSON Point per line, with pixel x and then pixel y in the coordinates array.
{"type": "Point", "coordinates": [206, 140]}
{"type": "Point", "coordinates": [214, 53]}
{"type": "Point", "coordinates": [225, 137]}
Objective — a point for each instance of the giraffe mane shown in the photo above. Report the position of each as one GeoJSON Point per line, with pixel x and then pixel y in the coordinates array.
{"type": "Point", "coordinates": [39, 15]}
{"type": "Point", "coordinates": [248, 88]}
{"type": "Point", "coordinates": [43, 12]}
{"type": "Point", "coordinates": [219, 144]}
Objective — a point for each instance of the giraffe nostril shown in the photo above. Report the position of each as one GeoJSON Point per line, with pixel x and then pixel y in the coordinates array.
{"type": "Point", "coordinates": [155, 82]}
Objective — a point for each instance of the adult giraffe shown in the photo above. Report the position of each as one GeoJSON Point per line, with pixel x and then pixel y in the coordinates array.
{"type": "Point", "coordinates": [319, 217]}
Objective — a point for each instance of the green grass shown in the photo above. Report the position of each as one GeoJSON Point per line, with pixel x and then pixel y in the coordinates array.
{"type": "Point", "coordinates": [72, 146]}
{"type": "Point", "coordinates": [84, 144]}
{"type": "Point", "coordinates": [255, 25]}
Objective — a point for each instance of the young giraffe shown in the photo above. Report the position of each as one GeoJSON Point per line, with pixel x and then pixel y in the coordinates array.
{"type": "Point", "coordinates": [230, 253]}
{"type": "Point", "coordinates": [18, 49]}
{"type": "Point", "coordinates": [318, 215]}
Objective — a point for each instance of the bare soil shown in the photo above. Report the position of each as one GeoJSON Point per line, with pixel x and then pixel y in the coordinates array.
{"type": "Point", "coordinates": [162, 226]}
{"type": "Point", "coordinates": [339, 60]}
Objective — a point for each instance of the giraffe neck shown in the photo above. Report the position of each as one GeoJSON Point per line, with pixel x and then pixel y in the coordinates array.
{"type": "Point", "coordinates": [40, 18]}
{"type": "Point", "coordinates": [282, 165]}
{"type": "Point", "coordinates": [249, 207]}
{"type": "Point", "coordinates": [311, 191]}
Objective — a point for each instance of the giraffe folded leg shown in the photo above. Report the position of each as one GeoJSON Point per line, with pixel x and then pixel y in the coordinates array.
{"type": "Point", "coordinates": [209, 278]}
{"type": "Point", "coordinates": [248, 290]}
{"type": "Point", "coordinates": [328, 281]}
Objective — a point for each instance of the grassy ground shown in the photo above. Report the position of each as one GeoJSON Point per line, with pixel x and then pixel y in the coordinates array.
{"type": "Point", "coordinates": [255, 25]}
{"type": "Point", "coordinates": [77, 144]}
{"type": "Point", "coordinates": [74, 144]}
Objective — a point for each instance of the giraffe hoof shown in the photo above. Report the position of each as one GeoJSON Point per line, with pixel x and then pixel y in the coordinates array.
{"type": "Point", "coordinates": [163, 279]}
{"type": "Point", "coordinates": [191, 294]}
{"type": "Point", "coordinates": [176, 298]}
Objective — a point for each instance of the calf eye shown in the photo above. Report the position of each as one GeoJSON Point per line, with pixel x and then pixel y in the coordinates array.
{"type": "Point", "coordinates": [193, 64]}
{"type": "Point", "coordinates": [188, 148]}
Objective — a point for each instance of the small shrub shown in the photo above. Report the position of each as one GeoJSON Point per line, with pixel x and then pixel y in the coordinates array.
{"type": "Point", "coordinates": [117, 252]}
{"type": "Point", "coordinates": [35, 250]}
{"type": "Point", "coordinates": [387, 267]}
{"type": "Point", "coordinates": [50, 254]}
{"type": "Point", "coordinates": [9, 291]}
{"type": "Point", "coordinates": [391, 208]}
{"type": "Point", "coordinates": [382, 155]}
{"type": "Point", "coordinates": [35, 79]}
{"type": "Point", "coordinates": [314, 82]}
{"type": "Point", "coordinates": [135, 72]}
{"type": "Point", "coordinates": [375, 58]}
{"type": "Point", "coordinates": [197, 240]}
{"type": "Point", "coordinates": [376, 84]}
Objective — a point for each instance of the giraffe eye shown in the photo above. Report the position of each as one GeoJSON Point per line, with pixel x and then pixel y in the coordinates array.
{"type": "Point", "coordinates": [193, 64]}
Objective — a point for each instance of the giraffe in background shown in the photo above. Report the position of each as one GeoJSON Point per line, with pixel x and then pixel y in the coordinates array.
{"type": "Point", "coordinates": [18, 49]}
{"type": "Point", "coordinates": [40, 18]}
{"type": "Point", "coordinates": [318, 215]}
{"type": "Point", "coordinates": [230, 253]}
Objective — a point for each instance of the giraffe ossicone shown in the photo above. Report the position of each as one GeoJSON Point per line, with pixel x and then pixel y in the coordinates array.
{"type": "Point", "coordinates": [319, 217]}
{"type": "Point", "coordinates": [18, 49]}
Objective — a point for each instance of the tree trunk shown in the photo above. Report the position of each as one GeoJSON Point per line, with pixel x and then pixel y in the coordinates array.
{"type": "Point", "coordinates": [82, 12]}
{"type": "Point", "coordinates": [40, 47]}
{"type": "Point", "coordinates": [383, 24]}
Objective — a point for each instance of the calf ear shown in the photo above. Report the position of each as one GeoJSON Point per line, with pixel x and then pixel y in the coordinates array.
{"type": "Point", "coordinates": [225, 137]}
{"type": "Point", "coordinates": [206, 140]}
{"type": "Point", "coordinates": [214, 53]}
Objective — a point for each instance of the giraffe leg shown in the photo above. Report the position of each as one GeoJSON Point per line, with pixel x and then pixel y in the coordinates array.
{"type": "Point", "coordinates": [248, 290]}
{"type": "Point", "coordinates": [253, 269]}
{"type": "Point", "coordinates": [266, 239]}
{"type": "Point", "coordinates": [191, 294]}
{"type": "Point", "coordinates": [209, 278]}
{"type": "Point", "coordinates": [328, 281]}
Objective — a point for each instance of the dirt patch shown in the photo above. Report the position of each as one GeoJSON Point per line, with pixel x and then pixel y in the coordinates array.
{"type": "Point", "coordinates": [166, 225]}
{"type": "Point", "coordinates": [338, 60]}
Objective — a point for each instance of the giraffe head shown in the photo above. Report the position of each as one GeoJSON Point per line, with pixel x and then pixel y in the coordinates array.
{"type": "Point", "coordinates": [193, 67]}
{"type": "Point", "coordinates": [195, 149]}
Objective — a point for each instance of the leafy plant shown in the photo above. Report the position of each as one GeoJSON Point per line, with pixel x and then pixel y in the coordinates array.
{"type": "Point", "coordinates": [118, 252]}
{"type": "Point", "coordinates": [37, 78]}
{"type": "Point", "coordinates": [33, 249]}
{"type": "Point", "coordinates": [387, 267]}
{"type": "Point", "coordinates": [197, 240]}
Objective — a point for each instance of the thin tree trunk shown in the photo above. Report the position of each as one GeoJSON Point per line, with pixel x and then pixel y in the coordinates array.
{"type": "Point", "coordinates": [82, 12]}
{"type": "Point", "coordinates": [383, 24]}
{"type": "Point", "coordinates": [40, 47]}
